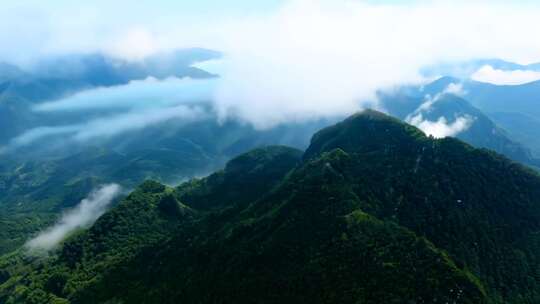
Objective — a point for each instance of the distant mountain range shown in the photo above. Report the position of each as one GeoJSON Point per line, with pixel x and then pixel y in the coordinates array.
{"type": "Point", "coordinates": [483, 130]}
{"type": "Point", "coordinates": [503, 104]}
{"type": "Point", "coordinates": [61, 76]}
{"type": "Point", "coordinates": [56, 76]}
{"type": "Point", "coordinates": [506, 117]}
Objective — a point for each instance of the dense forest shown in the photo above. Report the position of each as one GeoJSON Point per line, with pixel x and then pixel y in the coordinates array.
{"type": "Point", "coordinates": [374, 211]}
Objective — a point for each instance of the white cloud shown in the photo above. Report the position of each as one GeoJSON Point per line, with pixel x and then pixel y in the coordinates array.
{"type": "Point", "coordinates": [213, 66]}
{"type": "Point", "coordinates": [148, 93]}
{"type": "Point", "coordinates": [136, 105]}
{"type": "Point", "coordinates": [306, 59]}
{"type": "Point", "coordinates": [317, 58]}
{"type": "Point", "coordinates": [426, 106]}
{"type": "Point", "coordinates": [136, 44]}
{"type": "Point", "coordinates": [500, 77]}
{"type": "Point", "coordinates": [82, 216]}
{"type": "Point", "coordinates": [111, 126]}
{"type": "Point", "coordinates": [442, 128]}
{"type": "Point", "coordinates": [107, 127]}
{"type": "Point", "coordinates": [34, 134]}
{"type": "Point", "coordinates": [454, 89]}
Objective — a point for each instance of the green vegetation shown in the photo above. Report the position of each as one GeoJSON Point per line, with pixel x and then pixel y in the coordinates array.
{"type": "Point", "coordinates": [373, 212]}
{"type": "Point", "coordinates": [34, 194]}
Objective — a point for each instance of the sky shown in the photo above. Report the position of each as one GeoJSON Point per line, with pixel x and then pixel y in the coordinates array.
{"type": "Point", "coordinates": [287, 60]}
{"type": "Point", "coordinates": [59, 26]}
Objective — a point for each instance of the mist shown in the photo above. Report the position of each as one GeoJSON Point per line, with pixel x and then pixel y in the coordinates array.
{"type": "Point", "coordinates": [148, 93]}
{"type": "Point", "coordinates": [110, 126]}
{"type": "Point", "coordinates": [313, 59]}
{"type": "Point", "coordinates": [500, 77]}
{"type": "Point", "coordinates": [441, 127]}
{"type": "Point", "coordinates": [105, 112]}
{"type": "Point", "coordinates": [81, 216]}
{"type": "Point", "coordinates": [295, 61]}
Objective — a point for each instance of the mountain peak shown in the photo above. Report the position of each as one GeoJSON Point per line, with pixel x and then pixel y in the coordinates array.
{"type": "Point", "coordinates": [364, 131]}
{"type": "Point", "coordinates": [244, 178]}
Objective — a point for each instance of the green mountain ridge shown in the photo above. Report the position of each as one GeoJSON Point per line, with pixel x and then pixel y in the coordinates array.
{"type": "Point", "coordinates": [33, 192]}
{"type": "Point", "coordinates": [373, 212]}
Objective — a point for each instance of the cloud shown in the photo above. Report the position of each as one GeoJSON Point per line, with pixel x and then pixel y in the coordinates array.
{"type": "Point", "coordinates": [328, 58]}
{"type": "Point", "coordinates": [426, 106]}
{"type": "Point", "coordinates": [148, 93]}
{"type": "Point", "coordinates": [212, 66]}
{"type": "Point", "coordinates": [110, 126]}
{"type": "Point", "coordinates": [82, 216]}
{"type": "Point", "coordinates": [134, 106]}
{"type": "Point", "coordinates": [35, 134]}
{"type": "Point", "coordinates": [442, 128]}
{"type": "Point", "coordinates": [500, 77]}
{"type": "Point", "coordinates": [454, 89]}
{"type": "Point", "coordinates": [136, 44]}
{"type": "Point", "coordinates": [294, 61]}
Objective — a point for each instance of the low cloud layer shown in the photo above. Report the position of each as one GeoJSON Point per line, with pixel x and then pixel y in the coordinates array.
{"type": "Point", "coordinates": [131, 107]}
{"type": "Point", "coordinates": [499, 77]}
{"type": "Point", "coordinates": [295, 60]}
{"type": "Point", "coordinates": [453, 89]}
{"type": "Point", "coordinates": [148, 93]}
{"type": "Point", "coordinates": [109, 126]}
{"type": "Point", "coordinates": [317, 58]}
{"type": "Point", "coordinates": [82, 216]}
{"type": "Point", "coordinates": [442, 128]}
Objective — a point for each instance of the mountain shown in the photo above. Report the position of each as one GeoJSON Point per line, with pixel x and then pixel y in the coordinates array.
{"type": "Point", "coordinates": [97, 70]}
{"type": "Point", "coordinates": [8, 72]}
{"type": "Point", "coordinates": [497, 98]}
{"type": "Point", "coordinates": [481, 132]}
{"type": "Point", "coordinates": [509, 101]}
{"type": "Point", "coordinates": [34, 191]}
{"type": "Point", "coordinates": [503, 104]}
{"type": "Point", "coordinates": [33, 194]}
{"type": "Point", "coordinates": [372, 212]}
{"type": "Point", "coordinates": [39, 182]}
{"type": "Point", "coordinates": [521, 126]}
